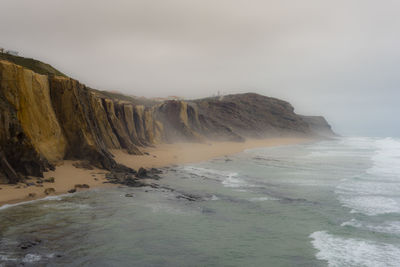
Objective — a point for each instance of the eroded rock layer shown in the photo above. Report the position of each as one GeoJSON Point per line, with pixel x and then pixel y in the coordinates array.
{"type": "Point", "coordinates": [45, 119]}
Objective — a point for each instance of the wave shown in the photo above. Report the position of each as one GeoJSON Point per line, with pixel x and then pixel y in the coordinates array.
{"type": "Point", "coordinates": [371, 205]}
{"type": "Point", "coordinates": [388, 227]}
{"type": "Point", "coordinates": [375, 191]}
{"type": "Point", "coordinates": [228, 179]}
{"type": "Point", "coordinates": [260, 199]}
{"type": "Point", "coordinates": [386, 159]}
{"type": "Point", "coordinates": [48, 198]}
{"type": "Point", "coordinates": [338, 251]}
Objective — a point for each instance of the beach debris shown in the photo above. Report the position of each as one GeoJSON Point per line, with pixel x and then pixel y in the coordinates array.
{"type": "Point", "coordinates": [72, 191]}
{"type": "Point", "coordinates": [128, 195]}
{"type": "Point", "coordinates": [30, 184]}
{"type": "Point", "coordinates": [49, 191]}
{"type": "Point", "coordinates": [49, 180]}
{"type": "Point", "coordinates": [32, 195]}
{"type": "Point", "coordinates": [81, 186]}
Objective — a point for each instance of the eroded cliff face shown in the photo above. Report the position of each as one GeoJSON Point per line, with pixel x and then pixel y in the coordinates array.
{"type": "Point", "coordinates": [45, 119]}
{"type": "Point", "coordinates": [31, 138]}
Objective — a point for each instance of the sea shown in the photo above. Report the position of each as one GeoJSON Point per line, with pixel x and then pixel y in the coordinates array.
{"type": "Point", "coordinates": [326, 203]}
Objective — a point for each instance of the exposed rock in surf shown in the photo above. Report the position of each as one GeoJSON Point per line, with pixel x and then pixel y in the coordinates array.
{"type": "Point", "coordinates": [141, 173]}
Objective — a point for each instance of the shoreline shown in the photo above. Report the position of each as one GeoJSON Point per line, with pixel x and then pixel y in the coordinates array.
{"type": "Point", "coordinates": [66, 175]}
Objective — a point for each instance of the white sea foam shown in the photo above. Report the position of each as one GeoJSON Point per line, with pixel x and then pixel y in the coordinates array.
{"type": "Point", "coordinates": [214, 197]}
{"type": "Point", "coordinates": [59, 197]}
{"type": "Point", "coordinates": [228, 179]}
{"type": "Point", "coordinates": [371, 205]}
{"type": "Point", "coordinates": [166, 208]}
{"type": "Point", "coordinates": [5, 258]}
{"type": "Point", "coordinates": [260, 199]}
{"type": "Point", "coordinates": [387, 159]}
{"type": "Point", "coordinates": [233, 181]}
{"type": "Point", "coordinates": [338, 251]}
{"type": "Point", "coordinates": [66, 206]}
{"type": "Point", "coordinates": [388, 227]}
{"type": "Point", "coordinates": [30, 258]}
{"type": "Point", "coordinates": [376, 191]}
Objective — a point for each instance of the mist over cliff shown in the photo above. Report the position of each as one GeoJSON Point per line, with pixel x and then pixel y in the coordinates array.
{"type": "Point", "coordinates": [46, 117]}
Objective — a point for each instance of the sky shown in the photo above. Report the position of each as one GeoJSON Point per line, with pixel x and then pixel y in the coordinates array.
{"type": "Point", "coordinates": [339, 59]}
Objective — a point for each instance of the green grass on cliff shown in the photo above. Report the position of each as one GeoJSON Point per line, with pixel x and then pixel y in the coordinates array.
{"type": "Point", "coordinates": [32, 64]}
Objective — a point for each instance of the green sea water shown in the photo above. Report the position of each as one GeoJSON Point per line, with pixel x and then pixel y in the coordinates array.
{"type": "Point", "coordinates": [331, 203]}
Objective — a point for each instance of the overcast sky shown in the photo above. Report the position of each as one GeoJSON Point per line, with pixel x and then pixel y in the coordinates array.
{"type": "Point", "coordinates": [338, 58]}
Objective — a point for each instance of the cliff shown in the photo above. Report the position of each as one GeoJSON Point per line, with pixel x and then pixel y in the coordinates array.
{"type": "Point", "coordinates": [319, 126]}
{"type": "Point", "coordinates": [46, 117]}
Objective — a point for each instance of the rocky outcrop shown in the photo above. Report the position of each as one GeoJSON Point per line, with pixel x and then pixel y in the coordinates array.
{"type": "Point", "coordinates": [319, 126]}
{"type": "Point", "coordinates": [249, 115]}
{"type": "Point", "coordinates": [48, 118]}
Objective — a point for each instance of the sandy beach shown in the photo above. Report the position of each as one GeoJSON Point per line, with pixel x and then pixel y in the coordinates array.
{"type": "Point", "coordinates": [66, 175]}
{"type": "Point", "coordinates": [181, 153]}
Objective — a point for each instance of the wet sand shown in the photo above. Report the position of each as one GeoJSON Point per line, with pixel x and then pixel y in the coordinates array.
{"type": "Point", "coordinates": [66, 175]}
{"type": "Point", "coordinates": [181, 153]}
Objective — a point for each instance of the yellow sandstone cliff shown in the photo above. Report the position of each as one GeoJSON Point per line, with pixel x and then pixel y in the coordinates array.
{"type": "Point", "coordinates": [47, 118]}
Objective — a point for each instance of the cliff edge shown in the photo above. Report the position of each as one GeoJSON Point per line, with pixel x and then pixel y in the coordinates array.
{"type": "Point", "coordinates": [46, 117]}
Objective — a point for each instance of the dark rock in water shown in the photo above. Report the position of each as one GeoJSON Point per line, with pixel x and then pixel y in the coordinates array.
{"type": "Point", "coordinates": [155, 171]}
{"type": "Point", "coordinates": [141, 173]}
{"type": "Point", "coordinates": [207, 211]}
{"type": "Point", "coordinates": [128, 195]}
{"type": "Point", "coordinates": [132, 182]}
{"type": "Point", "coordinates": [156, 177]}
{"type": "Point", "coordinates": [29, 243]}
{"type": "Point", "coordinates": [49, 191]}
{"type": "Point", "coordinates": [72, 191]}
{"type": "Point", "coordinates": [188, 197]}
